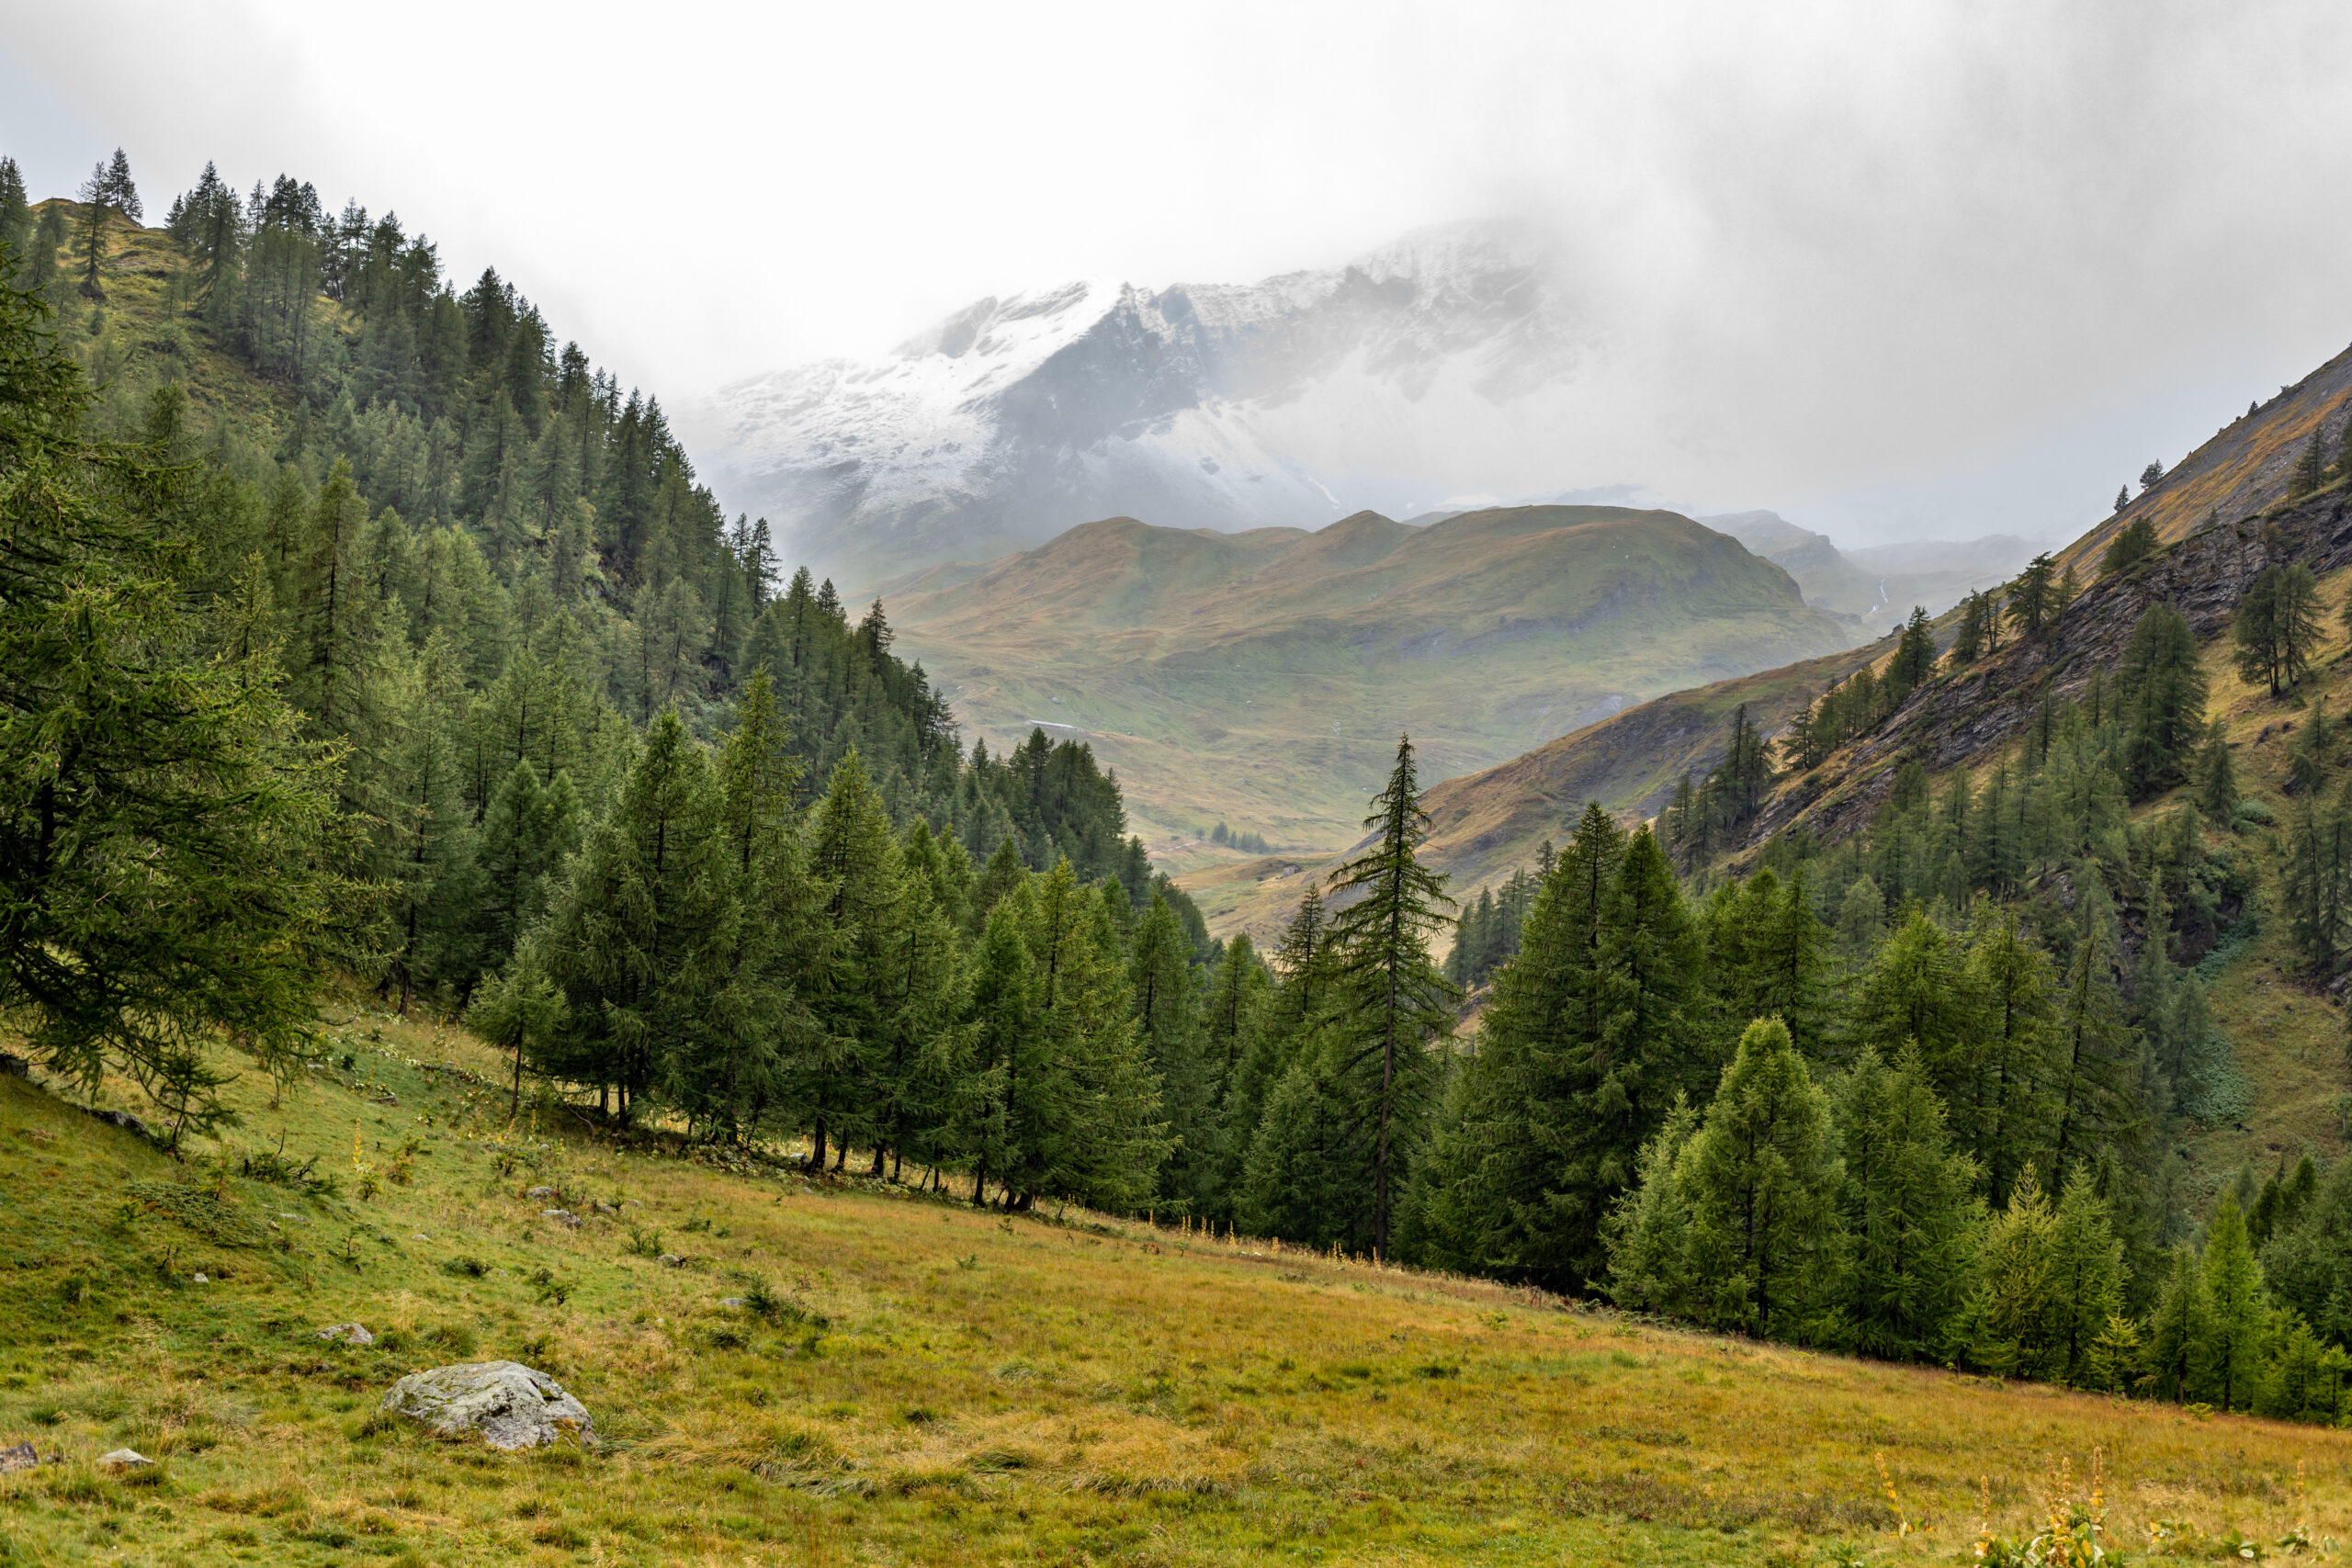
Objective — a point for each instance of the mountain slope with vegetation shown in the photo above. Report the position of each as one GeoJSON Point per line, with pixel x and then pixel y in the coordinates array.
{"type": "Point", "coordinates": [1968, 1089]}
{"type": "Point", "coordinates": [1874, 582]}
{"type": "Point", "coordinates": [1260, 678]}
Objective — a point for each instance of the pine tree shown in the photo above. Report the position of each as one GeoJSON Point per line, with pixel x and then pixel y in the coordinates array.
{"type": "Point", "coordinates": [2134, 542]}
{"type": "Point", "coordinates": [1861, 920]}
{"type": "Point", "coordinates": [1912, 992]}
{"type": "Point", "coordinates": [1090, 1107]}
{"type": "Point", "coordinates": [1915, 657]}
{"type": "Point", "coordinates": [1521, 1182]}
{"type": "Point", "coordinates": [2049, 1278]}
{"type": "Point", "coordinates": [1763, 1248]}
{"type": "Point", "coordinates": [16, 220]}
{"type": "Point", "coordinates": [639, 939]}
{"type": "Point", "coordinates": [2095, 1071]}
{"type": "Point", "coordinates": [146, 767]}
{"type": "Point", "coordinates": [854, 856]}
{"type": "Point", "coordinates": [2309, 1261]}
{"type": "Point", "coordinates": [1399, 1002]}
{"type": "Point", "coordinates": [2162, 687]}
{"type": "Point", "coordinates": [97, 216]}
{"type": "Point", "coordinates": [424, 857]}
{"type": "Point", "coordinates": [118, 191]}
{"type": "Point", "coordinates": [2217, 783]}
{"type": "Point", "coordinates": [2228, 1356]}
{"type": "Point", "coordinates": [768, 1026]}
{"type": "Point", "coordinates": [2314, 752]}
{"type": "Point", "coordinates": [521, 1014]}
{"type": "Point", "coordinates": [2181, 1326]}
{"type": "Point", "coordinates": [2030, 597]}
{"type": "Point", "coordinates": [2002, 1112]}
{"type": "Point", "coordinates": [1239, 996]}
{"type": "Point", "coordinates": [2277, 626]}
{"type": "Point", "coordinates": [1968, 641]}
{"type": "Point", "coordinates": [1908, 1205]}
{"type": "Point", "coordinates": [1168, 1018]}
{"type": "Point", "coordinates": [2311, 467]}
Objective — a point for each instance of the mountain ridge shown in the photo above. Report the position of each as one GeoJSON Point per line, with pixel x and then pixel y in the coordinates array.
{"type": "Point", "coordinates": [1261, 677]}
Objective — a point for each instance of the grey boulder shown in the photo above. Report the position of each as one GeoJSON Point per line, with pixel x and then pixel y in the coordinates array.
{"type": "Point", "coordinates": [350, 1333]}
{"type": "Point", "coordinates": [562, 1216]}
{"type": "Point", "coordinates": [507, 1405]}
{"type": "Point", "coordinates": [124, 1459]}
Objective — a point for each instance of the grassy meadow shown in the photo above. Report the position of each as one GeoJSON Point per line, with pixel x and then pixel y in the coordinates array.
{"type": "Point", "coordinates": [916, 1382]}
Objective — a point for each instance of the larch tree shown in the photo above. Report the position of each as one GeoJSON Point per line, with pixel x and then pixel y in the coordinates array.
{"type": "Point", "coordinates": [1399, 1002]}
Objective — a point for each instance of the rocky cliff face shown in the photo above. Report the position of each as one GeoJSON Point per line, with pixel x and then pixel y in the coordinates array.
{"type": "Point", "coordinates": [1966, 719]}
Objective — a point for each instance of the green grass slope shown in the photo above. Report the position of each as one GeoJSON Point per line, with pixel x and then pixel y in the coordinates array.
{"type": "Point", "coordinates": [929, 1384]}
{"type": "Point", "coordinates": [1261, 678]}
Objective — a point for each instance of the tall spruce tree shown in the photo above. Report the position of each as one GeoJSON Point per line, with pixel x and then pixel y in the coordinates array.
{"type": "Point", "coordinates": [1399, 1003]}
{"type": "Point", "coordinates": [639, 939]}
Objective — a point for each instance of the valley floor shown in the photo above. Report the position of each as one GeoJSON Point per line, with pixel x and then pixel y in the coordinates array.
{"type": "Point", "coordinates": [932, 1383]}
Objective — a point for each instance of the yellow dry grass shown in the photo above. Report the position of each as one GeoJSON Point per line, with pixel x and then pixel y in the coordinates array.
{"type": "Point", "coordinates": [938, 1384]}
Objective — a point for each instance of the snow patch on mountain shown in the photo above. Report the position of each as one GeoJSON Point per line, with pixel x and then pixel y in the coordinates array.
{"type": "Point", "coordinates": [1425, 369]}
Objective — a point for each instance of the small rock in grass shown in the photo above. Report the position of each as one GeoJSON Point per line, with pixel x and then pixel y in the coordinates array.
{"type": "Point", "coordinates": [123, 1119]}
{"type": "Point", "coordinates": [540, 1192]}
{"type": "Point", "coordinates": [202, 1280]}
{"type": "Point", "coordinates": [349, 1333]}
{"type": "Point", "coordinates": [21, 1457]}
{"type": "Point", "coordinates": [508, 1404]}
{"type": "Point", "coordinates": [562, 1217]}
{"type": "Point", "coordinates": [672, 1260]}
{"type": "Point", "coordinates": [123, 1459]}
{"type": "Point", "coordinates": [730, 1301]}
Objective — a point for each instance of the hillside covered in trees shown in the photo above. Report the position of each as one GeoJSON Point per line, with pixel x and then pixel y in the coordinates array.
{"type": "Point", "coordinates": [419, 583]}
{"type": "Point", "coordinates": [1867, 1044]}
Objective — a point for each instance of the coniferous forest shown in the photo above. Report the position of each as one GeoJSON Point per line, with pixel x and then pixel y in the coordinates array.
{"type": "Point", "coordinates": [449, 677]}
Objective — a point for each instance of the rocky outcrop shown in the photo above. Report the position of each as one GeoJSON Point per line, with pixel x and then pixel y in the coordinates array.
{"type": "Point", "coordinates": [506, 1404]}
{"type": "Point", "coordinates": [1967, 719]}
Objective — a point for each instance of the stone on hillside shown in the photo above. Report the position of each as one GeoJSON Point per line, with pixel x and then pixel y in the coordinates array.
{"type": "Point", "coordinates": [562, 1217]}
{"type": "Point", "coordinates": [672, 1260]}
{"type": "Point", "coordinates": [540, 1192]}
{"type": "Point", "coordinates": [123, 1119]}
{"type": "Point", "coordinates": [349, 1333]}
{"type": "Point", "coordinates": [21, 1457]}
{"type": "Point", "coordinates": [508, 1404]}
{"type": "Point", "coordinates": [123, 1459]}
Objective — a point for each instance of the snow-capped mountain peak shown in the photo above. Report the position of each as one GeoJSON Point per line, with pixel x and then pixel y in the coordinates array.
{"type": "Point", "coordinates": [1289, 401]}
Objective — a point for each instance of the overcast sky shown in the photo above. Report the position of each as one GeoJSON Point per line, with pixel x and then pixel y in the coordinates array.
{"type": "Point", "coordinates": [1885, 268]}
